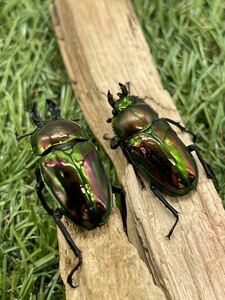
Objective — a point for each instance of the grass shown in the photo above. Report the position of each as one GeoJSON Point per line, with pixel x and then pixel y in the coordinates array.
{"type": "Point", "coordinates": [187, 42]}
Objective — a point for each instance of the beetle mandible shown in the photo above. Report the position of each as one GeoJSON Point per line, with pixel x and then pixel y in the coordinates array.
{"type": "Point", "coordinates": [71, 171]}
{"type": "Point", "coordinates": [153, 148]}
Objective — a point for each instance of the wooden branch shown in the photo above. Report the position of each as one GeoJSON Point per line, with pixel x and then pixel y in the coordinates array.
{"type": "Point", "coordinates": [191, 264]}
{"type": "Point", "coordinates": [111, 267]}
{"type": "Point", "coordinates": [102, 44]}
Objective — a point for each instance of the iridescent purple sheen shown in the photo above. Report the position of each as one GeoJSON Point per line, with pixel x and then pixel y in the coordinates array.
{"type": "Point", "coordinates": [162, 155]}
{"type": "Point", "coordinates": [77, 179]}
{"type": "Point", "coordinates": [97, 181]}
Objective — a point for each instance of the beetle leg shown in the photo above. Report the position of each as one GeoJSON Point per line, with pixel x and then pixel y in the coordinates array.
{"type": "Point", "coordinates": [168, 206]}
{"type": "Point", "coordinates": [182, 128]}
{"type": "Point", "coordinates": [77, 120]}
{"type": "Point", "coordinates": [20, 137]}
{"type": "Point", "coordinates": [114, 142]}
{"type": "Point", "coordinates": [119, 190]}
{"type": "Point", "coordinates": [57, 215]}
{"type": "Point", "coordinates": [208, 171]}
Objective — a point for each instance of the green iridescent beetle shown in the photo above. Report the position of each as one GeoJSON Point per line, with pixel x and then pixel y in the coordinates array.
{"type": "Point", "coordinates": [71, 170]}
{"type": "Point", "coordinates": [153, 148]}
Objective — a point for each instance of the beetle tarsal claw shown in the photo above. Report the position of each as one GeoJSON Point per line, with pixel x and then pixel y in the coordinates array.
{"type": "Point", "coordinates": [70, 276]}
{"type": "Point", "coordinates": [168, 236]}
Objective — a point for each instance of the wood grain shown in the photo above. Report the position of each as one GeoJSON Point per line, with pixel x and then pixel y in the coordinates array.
{"type": "Point", "coordinates": [102, 44]}
{"type": "Point", "coordinates": [111, 266]}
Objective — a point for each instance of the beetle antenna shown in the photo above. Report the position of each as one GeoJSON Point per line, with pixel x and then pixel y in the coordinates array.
{"type": "Point", "coordinates": [123, 89]}
{"type": "Point", "coordinates": [110, 99]}
{"type": "Point", "coordinates": [54, 109]}
{"type": "Point", "coordinates": [35, 116]}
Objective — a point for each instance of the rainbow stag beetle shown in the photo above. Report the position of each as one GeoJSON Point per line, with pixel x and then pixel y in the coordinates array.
{"type": "Point", "coordinates": [153, 148]}
{"type": "Point", "coordinates": [71, 171]}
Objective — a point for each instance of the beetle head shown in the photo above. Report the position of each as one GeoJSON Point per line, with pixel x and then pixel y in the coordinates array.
{"type": "Point", "coordinates": [123, 102]}
{"type": "Point", "coordinates": [130, 114]}
{"type": "Point", "coordinates": [53, 132]}
{"type": "Point", "coordinates": [37, 120]}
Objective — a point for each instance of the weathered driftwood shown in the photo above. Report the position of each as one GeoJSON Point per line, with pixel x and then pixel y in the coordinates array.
{"type": "Point", "coordinates": [111, 266]}
{"type": "Point", "coordinates": [102, 44]}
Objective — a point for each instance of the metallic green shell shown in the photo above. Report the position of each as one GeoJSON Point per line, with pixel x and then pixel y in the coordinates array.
{"type": "Point", "coordinates": [76, 178]}
{"type": "Point", "coordinates": [161, 155]}
{"type": "Point", "coordinates": [55, 132]}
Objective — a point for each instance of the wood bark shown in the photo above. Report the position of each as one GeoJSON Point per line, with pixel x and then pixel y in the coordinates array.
{"type": "Point", "coordinates": [102, 44]}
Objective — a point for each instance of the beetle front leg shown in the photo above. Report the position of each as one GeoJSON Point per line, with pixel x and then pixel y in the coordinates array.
{"type": "Point", "coordinates": [169, 207]}
{"type": "Point", "coordinates": [57, 216]}
{"type": "Point", "coordinates": [208, 171]}
{"type": "Point", "coordinates": [182, 128]}
{"type": "Point", "coordinates": [114, 142]}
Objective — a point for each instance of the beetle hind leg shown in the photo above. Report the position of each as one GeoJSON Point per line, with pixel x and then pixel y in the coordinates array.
{"type": "Point", "coordinates": [169, 207]}
{"type": "Point", "coordinates": [208, 171]}
{"type": "Point", "coordinates": [57, 216]}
